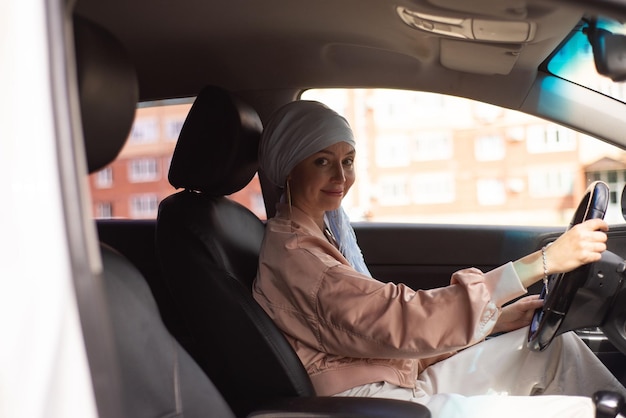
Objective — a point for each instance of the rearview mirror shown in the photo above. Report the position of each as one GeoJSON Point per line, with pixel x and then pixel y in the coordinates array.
{"type": "Point", "coordinates": [609, 52]}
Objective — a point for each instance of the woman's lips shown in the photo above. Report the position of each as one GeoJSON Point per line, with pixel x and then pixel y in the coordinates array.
{"type": "Point", "coordinates": [337, 193]}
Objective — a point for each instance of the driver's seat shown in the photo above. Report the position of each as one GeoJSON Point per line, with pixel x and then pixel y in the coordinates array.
{"type": "Point", "coordinates": [208, 246]}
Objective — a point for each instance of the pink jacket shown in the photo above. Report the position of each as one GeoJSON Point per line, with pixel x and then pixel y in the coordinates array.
{"type": "Point", "coordinates": [349, 329]}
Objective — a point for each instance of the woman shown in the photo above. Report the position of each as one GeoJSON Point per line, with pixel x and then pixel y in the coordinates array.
{"type": "Point", "coordinates": [357, 336]}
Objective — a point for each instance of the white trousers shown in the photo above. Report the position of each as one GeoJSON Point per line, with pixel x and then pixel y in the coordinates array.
{"type": "Point", "coordinates": [496, 378]}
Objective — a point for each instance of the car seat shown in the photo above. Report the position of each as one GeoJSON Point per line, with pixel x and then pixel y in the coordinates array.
{"type": "Point", "coordinates": [208, 246]}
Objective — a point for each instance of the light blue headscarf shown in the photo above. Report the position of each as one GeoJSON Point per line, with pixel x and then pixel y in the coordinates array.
{"type": "Point", "coordinates": [293, 133]}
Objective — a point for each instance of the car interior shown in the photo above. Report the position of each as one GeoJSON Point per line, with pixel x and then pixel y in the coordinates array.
{"type": "Point", "coordinates": [164, 380]}
{"type": "Point", "coordinates": [187, 337]}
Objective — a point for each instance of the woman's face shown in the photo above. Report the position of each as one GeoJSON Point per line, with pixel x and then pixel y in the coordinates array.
{"type": "Point", "coordinates": [320, 182]}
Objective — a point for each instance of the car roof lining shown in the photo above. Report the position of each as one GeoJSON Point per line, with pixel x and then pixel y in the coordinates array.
{"type": "Point", "coordinates": [375, 47]}
{"type": "Point", "coordinates": [282, 47]}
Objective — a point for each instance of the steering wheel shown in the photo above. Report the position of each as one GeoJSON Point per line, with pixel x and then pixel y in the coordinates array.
{"type": "Point", "coordinates": [561, 288]}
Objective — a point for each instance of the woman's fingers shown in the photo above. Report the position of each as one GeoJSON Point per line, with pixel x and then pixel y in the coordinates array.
{"type": "Point", "coordinates": [596, 224]}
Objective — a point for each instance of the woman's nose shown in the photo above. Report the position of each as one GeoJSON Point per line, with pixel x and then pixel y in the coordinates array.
{"type": "Point", "coordinates": [339, 173]}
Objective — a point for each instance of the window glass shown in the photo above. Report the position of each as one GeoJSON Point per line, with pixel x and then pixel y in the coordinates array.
{"type": "Point", "coordinates": [393, 190]}
{"type": "Point", "coordinates": [421, 157]}
{"type": "Point", "coordinates": [432, 146]}
{"type": "Point", "coordinates": [433, 187]}
{"type": "Point", "coordinates": [430, 158]}
{"type": "Point", "coordinates": [543, 138]}
{"type": "Point", "coordinates": [104, 210]}
{"type": "Point", "coordinates": [173, 125]}
{"type": "Point", "coordinates": [549, 181]}
{"type": "Point", "coordinates": [136, 182]}
{"type": "Point", "coordinates": [489, 148]}
{"type": "Point", "coordinates": [574, 61]}
{"type": "Point", "coordinates": [144, 206]}
{"type": "Point", "coordinates": [143, 170]}
{"type": "Point", "coordinates": [104, 178]}
{"type": "Point", "coordinates": [144, 129]}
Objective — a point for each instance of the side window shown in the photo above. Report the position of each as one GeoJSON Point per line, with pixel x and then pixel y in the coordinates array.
{"type": "Point", "coordinates": [135, 183]}
{"type": "Point", "coordinates": [430, 158]}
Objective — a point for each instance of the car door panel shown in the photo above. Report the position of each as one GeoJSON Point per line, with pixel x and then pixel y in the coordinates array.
{"type": "Point", "coordinates": [425, 256]}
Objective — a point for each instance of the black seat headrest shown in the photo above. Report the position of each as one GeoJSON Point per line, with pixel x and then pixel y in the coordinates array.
{"type": "Point", "coordinates": [108, 91]}
{"type": "Point", "coordinates": [216, 152]}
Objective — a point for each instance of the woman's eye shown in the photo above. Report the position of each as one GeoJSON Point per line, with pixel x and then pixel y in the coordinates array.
{"type": "Point", "coordinates": [321, 161]}
{"type": "Point", "coordinates": [348, 162]}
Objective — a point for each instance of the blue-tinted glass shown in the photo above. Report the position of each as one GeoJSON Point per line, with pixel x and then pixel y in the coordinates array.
{"type": "Point", "coordinates": [574, 62]}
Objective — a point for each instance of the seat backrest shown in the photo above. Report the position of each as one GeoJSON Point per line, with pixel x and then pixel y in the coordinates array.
{"type": "Point", "coordinates": [215, 156]}
{"type": "Point", "coordinates": [208, 246]}
{"type": "Point", "coordinates": [158, 377]}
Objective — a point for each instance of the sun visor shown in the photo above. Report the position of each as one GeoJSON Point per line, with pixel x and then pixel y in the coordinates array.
{"type": "Point", "coordinates": [477, 57]}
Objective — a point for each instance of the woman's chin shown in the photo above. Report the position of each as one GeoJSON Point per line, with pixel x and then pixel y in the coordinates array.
{"type": "Point", "coordinates": [333, 206]}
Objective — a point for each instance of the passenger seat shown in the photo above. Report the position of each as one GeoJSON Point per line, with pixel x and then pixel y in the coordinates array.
{"type": "Point", "coordinates": [153, 375]}
{"type": "Point", "coordinates": [159, 378]}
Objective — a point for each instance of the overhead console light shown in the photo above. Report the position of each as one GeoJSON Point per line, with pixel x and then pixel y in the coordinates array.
{"type": "Point", "coordinates": [485, 30]}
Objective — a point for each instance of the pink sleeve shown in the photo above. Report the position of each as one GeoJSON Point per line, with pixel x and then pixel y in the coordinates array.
{"type": "Point", "coordinates": [502, 282]}
{"type": "Point", "coordinates": [362, 317]}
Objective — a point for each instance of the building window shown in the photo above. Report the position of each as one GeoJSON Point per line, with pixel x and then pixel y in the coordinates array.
{"type": "Point", "coordinates": [104, 178]}
{"type": "Point", "coordinates": [391, 151]}
{"type": "Point", "coordinates": [433, 146]}
{"type": "Point", "coordinates": [144, 206]}
{"type": "Point", "coordinates": [489, 148]}
{"type": "Point", "coordinates": [616, 180]}
{"type": "Point", "coordinates": [173, 127]}
{"type": "Point", "coordinates": [431, 188]}
{"type": "Point", "coordinates": [393, 191]}
{"type": "Point", "coordinates": [143, 170]}
{"type": "Point", "coordinates": [490, 192]}
{"type": "Point", "coordinates": [396, 108]}
{"type": "Point", "coordinates": [145, 130]}
{"type": "Point", "coordinates": [550, 182]}
{"type": "Point", "coordinates": [104, 210]}
{"type": "Point", "coordinates": [550, 138]}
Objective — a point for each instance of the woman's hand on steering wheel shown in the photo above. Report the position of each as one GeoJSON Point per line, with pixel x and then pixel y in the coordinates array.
{"type": "Point", "coordinates": [581, 244]}
{"type": "Point", "coordinates": [566, 265]}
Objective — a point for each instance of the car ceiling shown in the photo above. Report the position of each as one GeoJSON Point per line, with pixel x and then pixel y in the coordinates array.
{"type": "Point", "coordinates": [178, 47]}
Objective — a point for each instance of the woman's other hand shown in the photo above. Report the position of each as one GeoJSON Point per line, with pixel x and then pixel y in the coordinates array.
{"type": "Point", "coordinates": [518, 314]}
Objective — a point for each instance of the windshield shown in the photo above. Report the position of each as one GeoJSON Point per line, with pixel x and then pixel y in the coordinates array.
{"type": "Point", "coordinates": [574, 61]}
